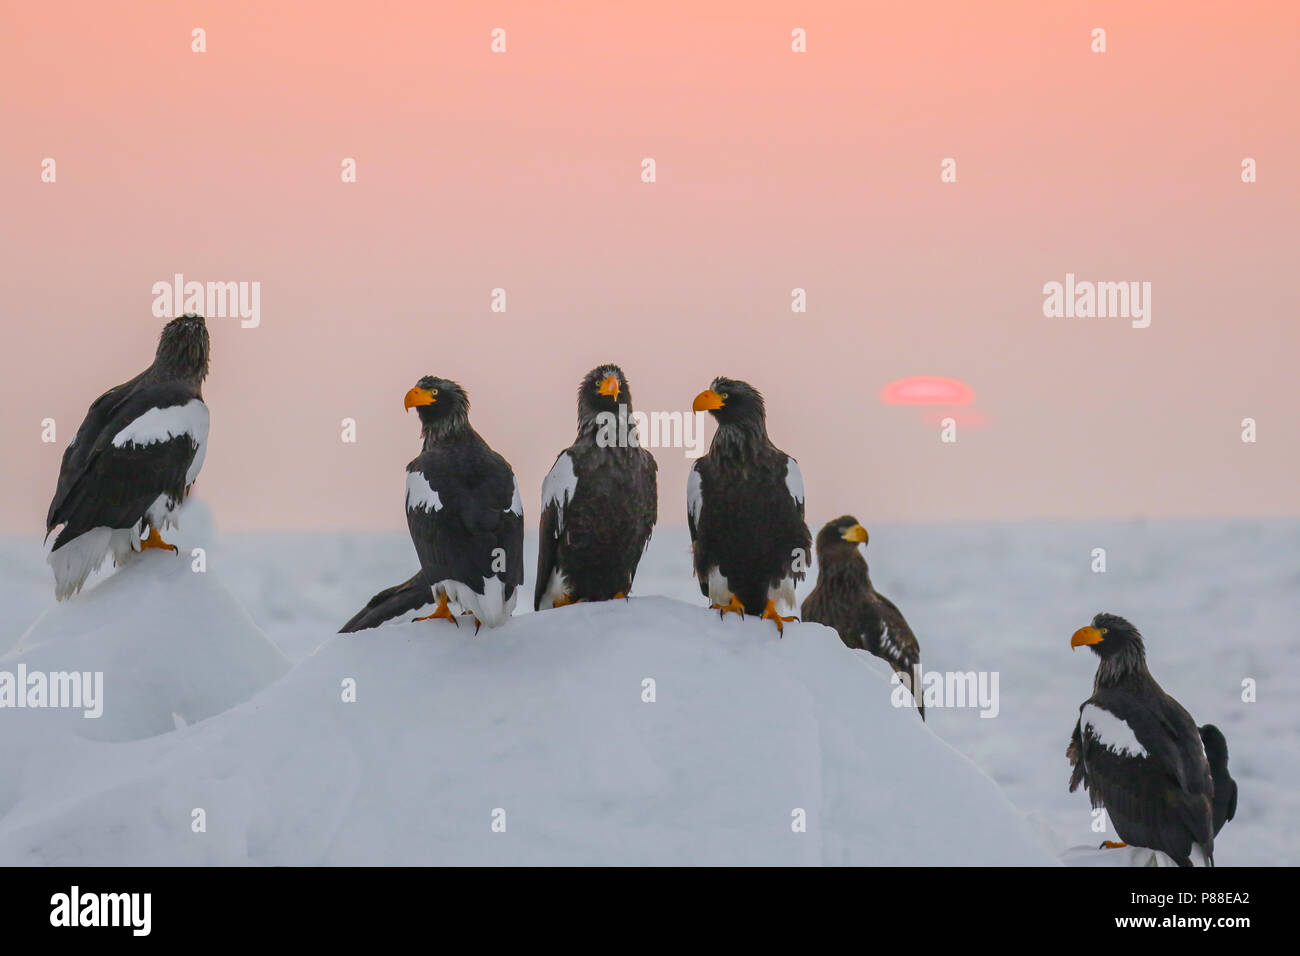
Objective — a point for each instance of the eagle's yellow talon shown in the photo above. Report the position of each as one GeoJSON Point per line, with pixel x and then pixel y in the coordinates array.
{"type": "Point", "coordinates": [155, 541]}
{"type": "Point", "coordinates": [732, 607]}
{"type": "Point", "coordinates": [770, 613]}
{"type": "Point", "coordinates": [440, 611]}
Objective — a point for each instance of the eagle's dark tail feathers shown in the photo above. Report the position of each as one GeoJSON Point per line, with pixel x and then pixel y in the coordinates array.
{"type": "Point", "coordinates": [391, 602]}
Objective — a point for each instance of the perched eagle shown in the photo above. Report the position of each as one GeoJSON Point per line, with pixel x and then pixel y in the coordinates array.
{"type": "Point", "coordinates": [1139, 753]}
{"type": "Point", "coordinates": [744, 505]}
{"type": "Point", "coordinates": [599, 501]}
{"type": "Point", "coordinates": [863, 617]}
{"type": "Point", "coordinates": [465, 517]}
{"type": "Point", "coordinates": [132, 461]}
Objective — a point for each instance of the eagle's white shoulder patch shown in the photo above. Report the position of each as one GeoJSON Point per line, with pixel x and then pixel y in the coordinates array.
{"type": "Point", "coordinates": [794, 480]}
{"type": "Point", "coordinates": [694, 496]}
{"type": "Point", "coordinates": [1112, 732]}
{"type": "Point", "coordinates": [161, 424]}
{"type": "Point", "coordinates": [420, 494]}
{"type": "Point", "coordinates": [560, 486]}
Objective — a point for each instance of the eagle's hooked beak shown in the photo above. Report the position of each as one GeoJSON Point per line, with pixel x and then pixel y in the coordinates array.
{"type": "Point", "coordinates": [707, 401]}
{"type": "Point", "coordinates": [857, 534]}
{"type": "Point", "coordinates": [609, 387]}
{"type": "Point", "coordinates": [417, 396]}
{"type": "Point", "coordinates": [1087, 635]}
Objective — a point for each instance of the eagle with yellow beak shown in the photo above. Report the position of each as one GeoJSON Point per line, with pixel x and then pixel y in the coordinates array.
{"type": "Point", "coordinates": [745, 509]}
{"type": "Point", "coordinates": [599, 501]}
{"type": "Point", "coordinates": [844, 599]}
{"type": "Point", "coordinates": [1139, 753]}
{"type": "Point", "coordinates": [465, 518]}
{"type": "Point", "coordinates": [133, 461]}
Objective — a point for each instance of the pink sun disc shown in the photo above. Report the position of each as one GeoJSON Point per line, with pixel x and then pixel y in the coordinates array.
{"type": "Point", "coordinates": [927, 390]}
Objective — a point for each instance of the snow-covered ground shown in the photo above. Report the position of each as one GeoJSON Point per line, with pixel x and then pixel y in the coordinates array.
{"type": "Point", "coordinates": [545, 720]}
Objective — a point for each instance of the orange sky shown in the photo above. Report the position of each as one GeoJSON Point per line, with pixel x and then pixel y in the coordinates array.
{"type": "Point", "coordinates": [775, 170]}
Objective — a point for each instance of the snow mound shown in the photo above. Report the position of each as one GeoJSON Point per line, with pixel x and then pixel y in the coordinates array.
{"type": "Point", "coordinates": [639, 732]}
{"type": "Point", "coordinates": [168, 641]}
{"type": "Point", "coordinates": [1121, 856]}
{"type": "Point", "coordinates": [1114, 856]}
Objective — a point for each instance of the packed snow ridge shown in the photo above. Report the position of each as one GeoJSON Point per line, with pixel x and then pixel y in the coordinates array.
{"type": "Point", "coordinates": [646, 731]}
